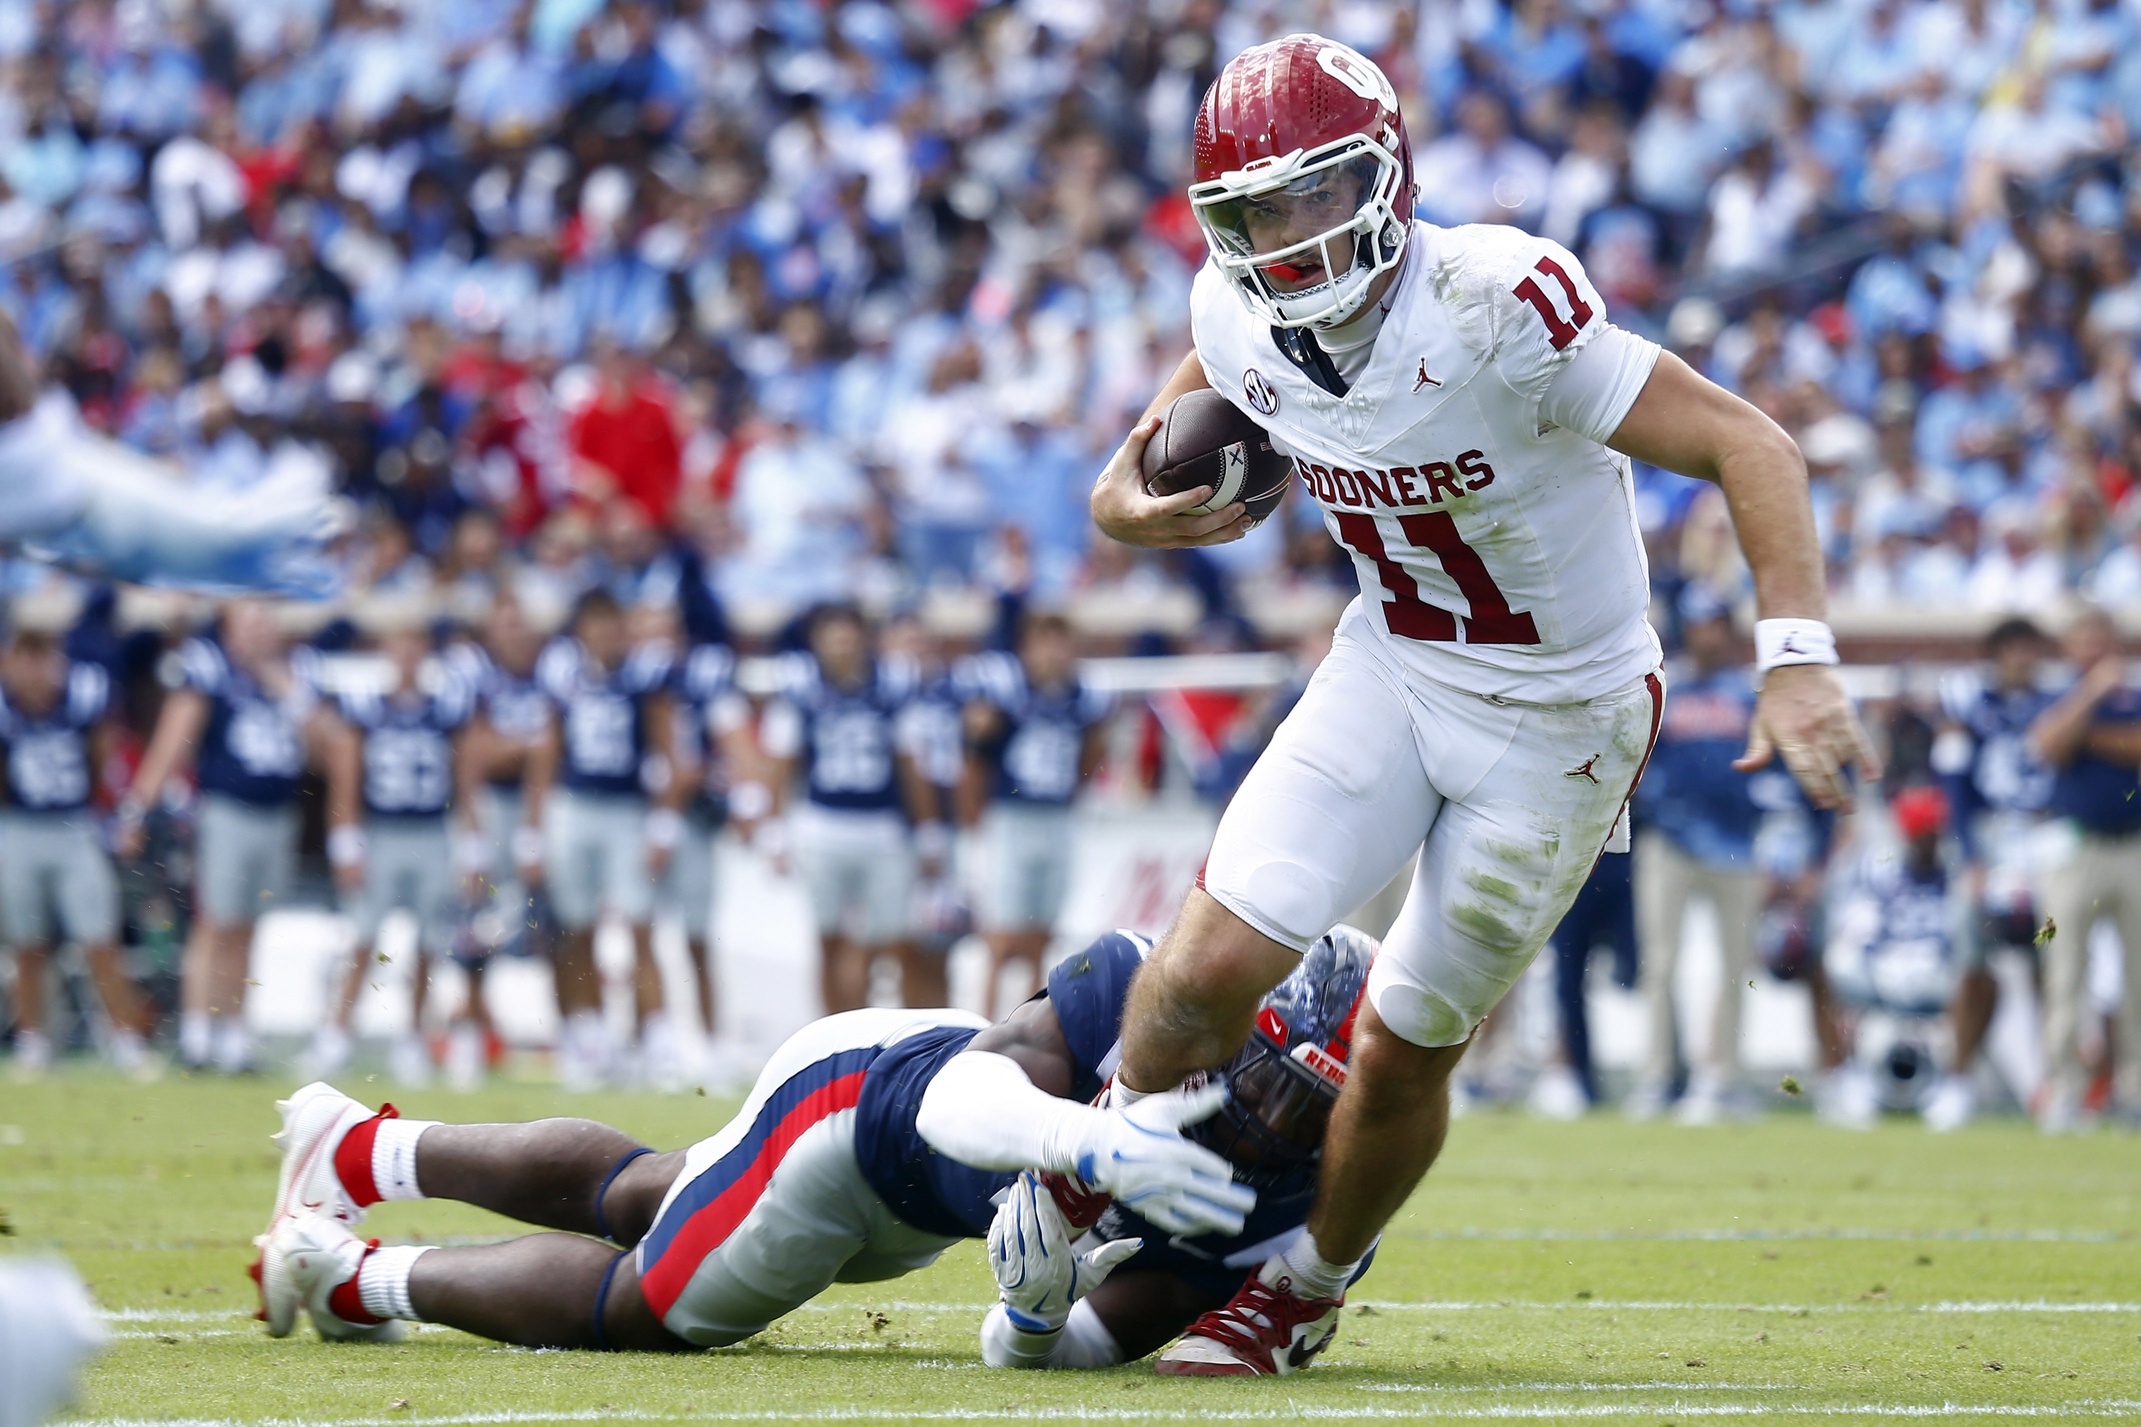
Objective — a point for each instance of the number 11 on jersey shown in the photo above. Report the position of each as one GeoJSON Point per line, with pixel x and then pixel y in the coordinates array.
{"type": "Point", "coordinates": [1491, 621]}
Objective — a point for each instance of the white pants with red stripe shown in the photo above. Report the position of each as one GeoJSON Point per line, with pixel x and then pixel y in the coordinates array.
{"type": "Point", "coordinates": [1509, 804]}
{"type": "Point", "coordinates": [774, 1209]}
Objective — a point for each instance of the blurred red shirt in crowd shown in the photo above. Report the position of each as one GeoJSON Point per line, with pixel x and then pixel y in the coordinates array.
{"type": "Point", "coordinates": [624, 440]}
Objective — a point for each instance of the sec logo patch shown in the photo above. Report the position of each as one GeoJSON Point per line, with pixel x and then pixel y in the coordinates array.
{"type": "Point", "coordinates": [1263, 396]}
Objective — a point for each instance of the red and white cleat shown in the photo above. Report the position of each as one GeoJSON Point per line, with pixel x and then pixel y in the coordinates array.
{"type": "Point", "coordinates": [302, 1265]}
{"type": "Point", "coordinates": [314, 1120]}
{"type": "Point", "coordinates": [1264, 1331]}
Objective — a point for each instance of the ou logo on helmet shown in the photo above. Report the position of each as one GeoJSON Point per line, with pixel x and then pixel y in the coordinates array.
{"type": "Point", "coordinates": [1357, 73]}
{"type": "Point", "coordinates": [1262, 395]}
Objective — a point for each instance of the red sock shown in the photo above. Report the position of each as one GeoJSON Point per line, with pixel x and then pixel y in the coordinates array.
{"type": "Point", "coordinates": [345, 1301]}
{"type": "Point", "coordinates": [353, 1158]}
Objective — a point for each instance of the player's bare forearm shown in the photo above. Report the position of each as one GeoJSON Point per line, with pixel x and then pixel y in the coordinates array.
{"type": "Point", "coordinates": [178, 728]}
{"type": "Point", "coordinates": [2058, 734]}
{"type": "Point", "coordinates": [1684, 422]}
{"type": "Point", "coordinates": [2118, 744]}
{"type": "Point", "coordinates": [18, 372]}
{"type": "Point", "coordinates": [1123, 509]}
{"type": "Point", "coordinates": [339, 749]}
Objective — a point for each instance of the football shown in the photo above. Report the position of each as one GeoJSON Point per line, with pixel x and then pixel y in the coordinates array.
{"type": "Point", "coordinates": [1206, 440]}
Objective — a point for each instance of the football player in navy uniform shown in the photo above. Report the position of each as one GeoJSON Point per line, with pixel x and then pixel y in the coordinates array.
{"type": "Point", "coordinates": [248, 715]}
{"type": "Point", "coordinates": [873, 1141]}
{"type": "Point", "coordinates": [2091, 736]}
{"type": "Point", "coordinates": [56, 879]}
{"type": "Point", "coordinates": [1895, 951]}
{"type": "Point", "coordinates": [402, 746]}
{"type": "Point", "coordinates": [604, 794]}
{"type": "Point", "coordinates": [930, 732]}
{"type": "Point", "coordinates": [718, 757]}
{"type": "Point", "coordinates": [1033, 739]}
{"type": "Point", "coordinates": [1997, 788]}
{"type": "Point", "coordinates": [1696, 819]}
{"type": "Point", "coordinates": [867, 816]}
{"type": "Point", "coordinates": [510, 722]}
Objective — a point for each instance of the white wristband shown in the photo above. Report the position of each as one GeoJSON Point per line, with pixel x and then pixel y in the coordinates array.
{"type": "Point", "coordinates": [1778, 642]}
{"type": "Point", "coordinates": [665, 828]}
{"type": "Point", "coordinates": [345, 845]}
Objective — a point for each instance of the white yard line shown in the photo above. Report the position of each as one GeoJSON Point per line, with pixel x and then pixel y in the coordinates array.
{"type": "Point", "coordinates": [2087, 1408]}
{"type": "Point", "coordinates": [1380, 1305]}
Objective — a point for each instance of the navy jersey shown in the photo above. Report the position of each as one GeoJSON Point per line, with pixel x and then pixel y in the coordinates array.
{"type": "Point", "coordinates": [47, 765]}
{"type": "Point", "coordinates": [408, 745]}
{"type": "Point", "coordinates": [602, 718]}
{"type": "Point", "coordinates": [513, 704]}
{"type": "Point", "coordinates": [707, 700]}
{"type": "Point", "coordinates": [1690, 791]}
{"type": "Point", "coordinates": [254, 746]}
{"type": "Point", "coordinates": [1088, 991]}
{"type": "Point", "coordinates": [2100, 796]}
{"type": "Point", "coordinates": [1035, 756]}
{"type": "Point", "coordinates": [1987, 764]}
{"type": "Point", "coordinates": [848, 740]}
{"type": "Point", "coordinates": [1897, 939]}
{"type": "Point", "coordinates": [929, 731]}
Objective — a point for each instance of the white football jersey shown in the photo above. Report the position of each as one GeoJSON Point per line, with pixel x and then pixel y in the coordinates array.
{"type": "Point", "coordinates": [1496, 552]}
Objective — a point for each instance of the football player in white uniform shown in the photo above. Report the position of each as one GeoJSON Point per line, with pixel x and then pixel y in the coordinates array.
{"type": "Point", "coordinates": [1457, 403]}
{"type": "Point", "coordinates": [74, 496]}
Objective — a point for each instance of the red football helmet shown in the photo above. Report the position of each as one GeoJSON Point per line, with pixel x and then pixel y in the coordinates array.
{"type": "Point", "coordinates": [1304, 181]}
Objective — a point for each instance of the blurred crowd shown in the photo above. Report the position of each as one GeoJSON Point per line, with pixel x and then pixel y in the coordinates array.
{"type": "Point", "coordinates": [849, 301]}
{"type": "Point", "coordinates": [728, 312]}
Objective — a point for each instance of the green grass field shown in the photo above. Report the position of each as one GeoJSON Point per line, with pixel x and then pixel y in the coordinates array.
{"type": "Point", "coordinates": [1547, 1272]}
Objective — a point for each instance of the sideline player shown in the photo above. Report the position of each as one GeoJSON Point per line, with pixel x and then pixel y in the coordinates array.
{"type": "Point", "coordinates": [247, 713]}
{"type": "Point", "coordinates": [716, 752]}
{"type": "Point", "coordinates": [510, 724]}
{"type": "Point", "coordinates": [1460, 407]}
{"type": "Point", "coordinates": [1033, 740]}
{"type": "Point", "coordinates": [402, 746]}
{"type": "Point", "coordinates": [1999, 790]}
{"type": "Point", "coordinates": [872, 1142]}
{"type": "Point", "coordinates": [837, 723]}
{"type": "Point", "coordinates": [69, 494]}
{"type": "Point", "coordinates": [56, 879]}
{"type": "Point", "coordinates": [609, 827]}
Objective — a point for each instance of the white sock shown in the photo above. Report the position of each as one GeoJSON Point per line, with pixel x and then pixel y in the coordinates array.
{"type": "Point", "coordinates": [234, 1044]}
{"type": "Point", "coordinates": [196, 1036]}
{"type": "Point", "coordinates": [383, 1280]}
{"type": "Point", "coordinates": [1314, 1275]}
{"type": "Point", "coordinates": [394, 1159]}
{"type": "Point", "coordinates": [127, 1049]}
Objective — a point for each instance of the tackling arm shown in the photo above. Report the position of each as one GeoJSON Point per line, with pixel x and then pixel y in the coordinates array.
{"type": "Point", "coordinates": [1686, 423]}
{"type": "Point", "coordinates": [999, 1104]}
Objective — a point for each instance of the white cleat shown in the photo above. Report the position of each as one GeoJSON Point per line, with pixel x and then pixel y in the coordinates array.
{"type": "Point", "coordinates": [301, 1265]}
{"type": "Point", "coordinates": [464, 1056]}
{"type": "Point", "coordinates": [313, 1123]}
{"type": "Point", "coordinates": [1557, 1095]}
{"type": "Point", "coordinates": [1846, 1098]}
{"type": "Point", "coordinates": [329, 1052]}
{"type": "Point", "coordinates": [1950, 1105]}
{"type": "Point", "coordinates": [409, 1062]}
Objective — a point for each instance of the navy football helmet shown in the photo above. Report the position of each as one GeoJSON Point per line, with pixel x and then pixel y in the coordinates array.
{"type": "Point", "coordinates": [1285, 1080]}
